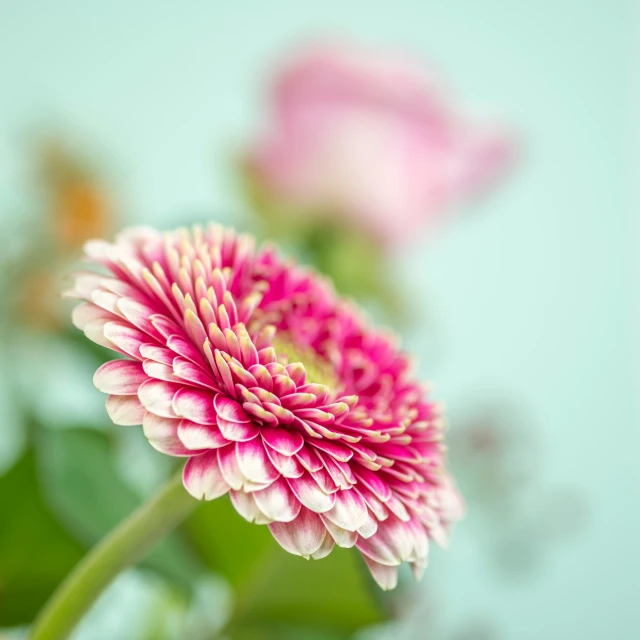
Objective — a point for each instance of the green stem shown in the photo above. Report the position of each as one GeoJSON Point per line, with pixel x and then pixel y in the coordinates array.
{"type": "Point", "coordinates": [126, 544]}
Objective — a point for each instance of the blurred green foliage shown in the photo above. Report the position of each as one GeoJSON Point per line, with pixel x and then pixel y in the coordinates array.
{"type": "Point", "coordinates": [273, 589]}
{"type": "Point", "coordinates": [86, 492]}
{"type": "Point", "coordinates": [36, 551]}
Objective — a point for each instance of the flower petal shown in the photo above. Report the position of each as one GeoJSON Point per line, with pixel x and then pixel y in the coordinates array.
{"type": "Point", "coordinates": [309, 458]}
{"type": "Point", "coordinates": [283, 440]}
{"type": "Point", "coordinates": [119, 377]}
{"type": "Point", "coordinates": [372, 481]}
{"type": "Point", "coordinates": [246, 506]}
{"type": "Point", "coordinates": [254, 462]}
{"type": "Point", "coordinates": [237, 431]}
{"type": "Point", "coordinates": [88, 312]}
{"type": "Point", "coordinates": [157, 397]}
{"type": "Point", "coordinates": [306, 489]}
{"type": "Point", "coordinates": [349, 510]}
{"type": "Point", "coordinates": [325, 548]}
{"type": "Point", "coordinates": [342, 537]}
{"type": "Point", "coordinates": [303, 536]}
{"type": "Point", "coordinates": [277, 501]}
{"type": "Point", "coordinates": [202, 477]}
{"type": "Point", "coordinates": [229, 409]}
{"type": "Point", "coordinates": [200, 436]}
{"type": "Point", "coordinates": [384, 575]}
{"type": "Point", "coordinates": [125, 410]}
{"type": "Point", "coordinates": [229, 466]}
{"type": "Point", "coordinates": [162, 434]}
{"type": "Point", "coordinates": [288, 466]}
{"type": "Point", "coordinates": [195, 405]}
{"type": "Point", "coordinates": [390, 545]}
{"type": "Point", "coordinates": [125, 338]}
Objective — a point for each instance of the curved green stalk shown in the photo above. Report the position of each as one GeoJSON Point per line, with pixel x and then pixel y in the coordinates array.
{"type": "Point", "coordinates": [126, 544]}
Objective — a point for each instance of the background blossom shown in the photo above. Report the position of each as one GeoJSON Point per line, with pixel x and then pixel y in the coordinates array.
{"type": "Point", "coordinates": [372, 136]}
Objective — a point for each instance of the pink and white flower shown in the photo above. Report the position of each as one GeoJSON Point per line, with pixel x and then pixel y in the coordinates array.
{"type": "Point", "coordinates": [275, 391]}
{"type": "Point", "coordinates": [370, 136]}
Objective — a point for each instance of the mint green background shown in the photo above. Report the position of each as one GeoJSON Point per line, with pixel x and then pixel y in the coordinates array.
{"type": "Point", "coordinates": [532, 294]}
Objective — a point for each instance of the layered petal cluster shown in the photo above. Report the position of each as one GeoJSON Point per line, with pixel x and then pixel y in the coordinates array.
{"type": "Point", "coordinates": [370, 136]}
{"type": "Point", "coordinates": [275, 390]}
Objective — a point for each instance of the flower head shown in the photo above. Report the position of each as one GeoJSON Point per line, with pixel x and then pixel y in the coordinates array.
{"type": "Point", "coordinates": [274, 389]}
{"type": "Point", "coordinates": [370, 136]}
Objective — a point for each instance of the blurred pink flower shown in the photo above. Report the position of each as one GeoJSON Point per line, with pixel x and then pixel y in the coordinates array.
{"type": "Point", "coordinates": [370, 136]}
{"type": "Point", "coordinates": [275, 390]}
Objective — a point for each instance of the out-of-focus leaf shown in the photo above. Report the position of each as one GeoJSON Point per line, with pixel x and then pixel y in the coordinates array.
{"type": "Point", "coordinates": [229, 545]}
{"type": "Point", "coordinates": [272, 587]}
{"type": "Point", "coordinates": [84, 489]}
{"type": "Point", "coordinates": [36, 552]}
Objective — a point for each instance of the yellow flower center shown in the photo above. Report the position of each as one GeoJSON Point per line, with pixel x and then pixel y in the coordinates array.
{"type": "Point", "coordinates": [319, 370]}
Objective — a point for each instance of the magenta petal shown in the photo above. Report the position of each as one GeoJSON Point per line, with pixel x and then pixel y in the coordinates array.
{"type": "Point", "coordinates": [385, 576]}
{"type": "Point", "coordinates": [159, 371]}
{"type": "Point", "coordinates": [309, 458]}
{"type": "Point", "coordinates": [338, 451]}
{"type": "Point", "coordinates": [390, 545]}
{"type": "Point", "coordinates": [125, 338]}
{"type": "Point", "coordinates": [138, 314]}
{"type": "Point", "coordinates": [202, 477]}
{"type": "Point", "coordinates": [200, 436]}
{"type": "Point", "coordinates": [303, 536]}
{"type": "Point", "coordinates": [119, 377]}
{"type": "Point", "coordinates": [157, 353]}
{"type": "Point", "coordinates": [306, 489]}
{"type": "Point", "coordinates": [192, 373]}
{"type": "Point", "coordinates": [373, 482]}
{"type": "Point", "coordinates": [125, 410]}
{"type": "Point", "coordinates": [342, 537]}
{"type": "Point", "coordinates": [94, 330]}
{"type": "Point", "coordinates": [229, 410]}
{"type": "Point", "coordinates": [396, 506]}
{"type": "Point", "coordinates": [377, 508]}
{"type": "Point", "coordinates": [183, 348]}
{"type": "Point", "coordinates": [237, 431]}
{"type": "Point", "coordinates": [370, 527]}
{"type": "Point", "coordinates": [277, 501]}
{"type": "Point", "coordinates": [349, 510]}
{"type": "Point", "coordinates": [283, 440]}
{"type": "Point", "coordinates": [88, 312]}
{"type": "Point", "coordinates": [254, 462]}
{"type": "Point", "coordinates": [157, 397]}
{"type": "Point", "coordinates": [325, 548]}
{"type": "Point", "coordinates": [288, 466]}
{"type": "Point", "coordinates": [194, 405]}
{"type": "Point", "coordinates": [324, 480]}
{"type": "Point", "coordinates": [162, 434]}
{"type": "Point", "coordinates": [229, 466]}
{"type": "Point", "coordinates": [246, 506]}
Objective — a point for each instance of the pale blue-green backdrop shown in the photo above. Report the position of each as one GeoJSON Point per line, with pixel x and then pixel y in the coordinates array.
{"type": "Point", "coordinates": [531, 294]}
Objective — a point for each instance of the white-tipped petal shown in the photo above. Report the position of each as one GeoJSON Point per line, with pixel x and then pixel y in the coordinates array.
{"type": "Point", "coordinates": [119, 377]}
{"type": "Point", "coordinates": [385, 576]}
{"type": "Point", "coordinates": [303, 536]}
{"type": "Point", "coordinates": [125, 410]}
{"type": "Point", "coordinates": [202, 477]}
{"type": "Point", "coordinates": [246, 506]}
{"type": "Point", "coordinates": [277, 501]}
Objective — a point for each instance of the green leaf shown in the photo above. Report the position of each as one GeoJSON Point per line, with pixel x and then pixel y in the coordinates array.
{"type": "Point", "coordinates": [36, 552]}
{"type": "Point", "coordinates": [272, 587]}
{"type": "Point", "coordinates": [82, 485]}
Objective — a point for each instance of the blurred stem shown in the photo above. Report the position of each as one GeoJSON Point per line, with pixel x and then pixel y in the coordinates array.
{"type": "Point", "coordinates": [126, 544]}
